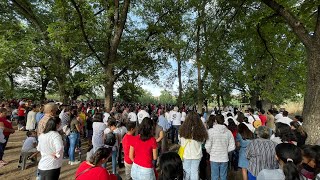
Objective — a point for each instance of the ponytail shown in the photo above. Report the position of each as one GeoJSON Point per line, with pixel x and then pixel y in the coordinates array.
{"type": "Point", "coordinates": [101, 153]}
{"type": "Point", "coordinates": [290, 170]}
{"type": "Point", "coordinates": [291, 157]}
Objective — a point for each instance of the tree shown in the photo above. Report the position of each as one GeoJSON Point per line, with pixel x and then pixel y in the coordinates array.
{"type": "Point", "coordinates": [309, 34]}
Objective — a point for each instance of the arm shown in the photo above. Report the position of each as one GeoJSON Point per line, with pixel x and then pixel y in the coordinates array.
{"type": "Point", "coordinates": [160, 136]}
{"type": "Point", "coordinates": [231, 146]}
{"type": "Point", "coordinates": [208, 144]}
{"type": "Point", "coordinates": [6, 129]}
{"type": "Point", "coordinates": [131, 153]}
{"type": "Point", "coordinates": [155, 154]}
{"type": "Point", "coordinates": [58, 145]}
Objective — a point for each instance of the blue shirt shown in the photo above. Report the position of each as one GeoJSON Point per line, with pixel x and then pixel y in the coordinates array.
{"type": "Point", "coordinates": [39, 116]}
{"type": "Point", "coordinates": [163, 122]}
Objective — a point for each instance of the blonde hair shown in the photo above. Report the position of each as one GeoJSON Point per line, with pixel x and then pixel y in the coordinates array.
{"type": "Point", "coordinates": [49, 108]}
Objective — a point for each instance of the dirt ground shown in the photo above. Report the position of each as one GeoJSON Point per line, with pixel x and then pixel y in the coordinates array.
{"type": "Point", "coordinates": [12, 153]}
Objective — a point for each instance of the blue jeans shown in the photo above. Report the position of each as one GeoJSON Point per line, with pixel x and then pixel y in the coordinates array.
{"type": "Point", "coordinates": [142, 173]}
{"type": "Point", "coordinates": [251, 176]}
{"type": "Point", "coordinates": [74, 141]}
{"type": "Point", "coordinates": [174, 133]}
{"type": "Point", "coordinates": [219, 169]}
{"type": "Point", "coordinates": [191, 168]}
{"type": "Point", "coordinates": [114, 159]}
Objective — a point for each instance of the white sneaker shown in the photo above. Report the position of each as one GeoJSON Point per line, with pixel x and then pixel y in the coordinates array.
{"type": "Point", "coordinates": [69, 162]}
{"type": "Point", "coordinates": [74, 163]}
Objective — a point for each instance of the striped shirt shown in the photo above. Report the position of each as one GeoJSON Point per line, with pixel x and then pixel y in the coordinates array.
{"type": "Point", "coordinates": [261, 155]}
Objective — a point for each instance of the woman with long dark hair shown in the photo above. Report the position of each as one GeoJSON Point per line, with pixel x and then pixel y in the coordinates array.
{"type": "Point", "coordinates": [171, 167]}
{"type": "Point", "coordinates": [289, 157]}
{"type": "Point", "coordinates": [284, 134]}
{"type": "Point", "coordinates": [310, 166]}
{"type": "Point", "coordinates": [51, 148]}
{"type": "Point", "coordinates": [193, 134]}
{"type": "Point", "coordinates": [300, 134]}
{"type": "Point", "coordinates": [143, 152]}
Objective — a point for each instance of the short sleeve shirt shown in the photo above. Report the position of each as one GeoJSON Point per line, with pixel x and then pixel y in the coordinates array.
{"type": "Point", "coordinates": [127, 141]}
{"type": "Point", "coordinates": [73, 125]}
{"type": "Point", "coordinates": [143, 151]}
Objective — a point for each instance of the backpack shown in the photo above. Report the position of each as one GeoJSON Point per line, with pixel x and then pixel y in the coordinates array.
{"type": "Point", "coordinates": [110, 139]}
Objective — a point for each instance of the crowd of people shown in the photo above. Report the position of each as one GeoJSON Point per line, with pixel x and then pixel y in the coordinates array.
{"type": "Point", "coordinates": [264, 145]}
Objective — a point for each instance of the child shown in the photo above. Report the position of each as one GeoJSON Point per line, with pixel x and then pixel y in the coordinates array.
{"type": "Point", "coordinates": [127, 141]}
{"type": "Point", "coordinates": [29, 145]}
{"type": "Point", "coordinates": [2, 141]}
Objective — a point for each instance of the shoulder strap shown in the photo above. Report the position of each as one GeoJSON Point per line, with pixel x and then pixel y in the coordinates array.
{"type": "Point", "coordinates": [84, 171]}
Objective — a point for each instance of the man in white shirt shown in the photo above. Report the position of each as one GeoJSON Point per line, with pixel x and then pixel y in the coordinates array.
{"type": "Point", "coordinates": [132, 115]}
{"type": "Point", "coordinates": [252, 117]}
{"type": "Point", "coordinates": [175, 118]}
{"type": "Point", "coordinates": [278, 116]}
{"type": "Point", "coordinates": [285, 119]}
{"type": "Point", "coordinates": [106, 116]}
{"type": "Point", "coordinates": [142, 114]}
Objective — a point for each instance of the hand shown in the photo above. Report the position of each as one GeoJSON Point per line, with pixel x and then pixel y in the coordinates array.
{"type": "Point", "coordinates": [12, 131]}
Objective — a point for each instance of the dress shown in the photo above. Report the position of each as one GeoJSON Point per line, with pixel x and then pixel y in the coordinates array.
{"type": "Point", "coordinates": [243, 161]}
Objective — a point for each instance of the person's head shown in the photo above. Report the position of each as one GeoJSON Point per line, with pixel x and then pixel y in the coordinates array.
{"type": "Point", "coordinates": [50, 109]}
{"type": "Point", "coordinates": [220, 119]}
{"type": "Point", "coordinates": [211, 121]}
{"type": "Point", "coordinates": [3, 112]}
{"type": "Point", "coordinates": [270, 111]}
{"type": "Point", "coordinates": [171, 166]}
{"type": "Point", "coordinates": [232, 125]}
{"type": "Point", "coordinates": [285, 113]}
{"type": "Point", "coordinates": [97, 117]}
{"type": "Point", "coordinates": [146, 129]}
{"type": "Point", "coordinates": [101, 156]}
{"type": "Point", "coordinates": [244, 131]}
{"type": "Point", "coordinates": [34, 107]}
{"type": "Point", "coordinates": [295, 125]}
{"type": "Point", "coordinates": [263, 132]}
{"type": "Point", "coordinates": [193, 128]}
{"type": "Point", "coordinates": [131, 127]}
{"type": "Point", "coordinates": [112, 123]}
{"type": "Point", "coordinates": [31, 134]}
{"type": "Point", "coordinates": [251, 111]}
{"type": "Point", "coordinates": [311, 157]}
{"type": "Point", "coordinates": [52, 125]}
{"type": "Point", "coordinates": [284, 132]}
{"type": "Point", "coordinates": [298, 118]}
{"type": "Point", "coordinates": [262, 111]}
{"type": "Point", "coordinates": [289, 157]}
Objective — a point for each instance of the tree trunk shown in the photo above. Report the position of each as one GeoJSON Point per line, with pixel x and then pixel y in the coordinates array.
{"type": "Point", "coordinates": [11, 79]}
{"type": "Point", "coordinates": [179, 101]}
{"type": "Point", "coordinates": [223, 101]}
{"type": "Point", "coordinates": [311, 107]}
{"type": "Point", "coordinates": [108, 86]}
{"type": "Point", "coordinates": [218, 101]}
{"type": "Point", "coordinates": [44, 84]}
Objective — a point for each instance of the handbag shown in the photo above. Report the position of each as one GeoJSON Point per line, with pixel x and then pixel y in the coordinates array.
{"type": "Point", "coordinates": [181, 150]}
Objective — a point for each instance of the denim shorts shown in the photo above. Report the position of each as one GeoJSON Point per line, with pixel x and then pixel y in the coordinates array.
{"type": "Point", "coordinates": [142, 173]}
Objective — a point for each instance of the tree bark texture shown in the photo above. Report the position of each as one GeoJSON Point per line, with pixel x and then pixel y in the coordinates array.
{"type": "Point", "coordinates": [180, 79]}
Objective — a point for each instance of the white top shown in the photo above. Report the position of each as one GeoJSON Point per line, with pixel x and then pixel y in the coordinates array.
{"type": "Point", "coordinates": [97, 135]}
{"type": "Point", "coordinates": [2, 139]}
{"type": "Point", "coordinates": [226, 122]}
{"type": "Point", "coordinates": [271, 174]}
{"type": "Point", "coordinates": [192, 150]}
{"type": "Point", "coordinates": [51, 149]}
{"type": "Point", "coordinates": [166, 115]}
{"type": "Point", "coordinates": [175, 117]}
{"type": "Point", "coordinates": [142, 114]}
{"type": "Point", "coordinates": [106, 117]}
{"type": "Point", "coordinates": [28, 144]}
{"type": "Point", "coordinates": [250, 127]}
{"type": "Point", "coordinates": [183, 116]}
{"type": "Point", "coordinates": [132, 117]}
{"type": "Point", "coordinates": [220, 142]}
{"type": "Point", "coordinates": [251, 119]}
{"type": "Point", "coordinates": [31, 120]}
{"type": "Point", "coordinates": [284, 120]}
{"type": "Point", "coordinates": [278, 116]}
{"type": "Point", "coordinates": [117, 132]}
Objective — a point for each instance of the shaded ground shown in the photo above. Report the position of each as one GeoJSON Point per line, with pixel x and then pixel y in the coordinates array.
{"type": "Point", "coordinates": [12, 153]}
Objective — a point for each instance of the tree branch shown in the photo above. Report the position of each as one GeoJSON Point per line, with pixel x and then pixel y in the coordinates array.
{"type": "Point", "coordinates": [85, 35]}
{"type": "Point", "coordinates": [296, 25]}
{"type": "Point", "coordinates": [264, 42]}
{"type": "Point", "coordinates": [317, 28]}
{"type": "Point", "coordinates": [121, 73]}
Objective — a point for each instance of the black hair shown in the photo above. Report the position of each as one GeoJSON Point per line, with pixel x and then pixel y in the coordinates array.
{"type": "Point", "coordinates": [29, 133]}
{"type": "Point", "coordinates": [246, 120]}
{"type": "Point", "coordinates": [244, 131]}
{"type": "Point", "coordinates": [220, 119]}
{"type": "Point", "coordinates": [146, 129]}
{"type": "Point", "coordinates": [270, 111]}
{"type": "Point", "coordinates": [231, 125]}
{"type": "Point", "coordinates": [211, 121]}
{"type": "Point", "coordinates": [284, 132]}
{"type": "Point", "coordinates": [251, 110]}
{"type": "Point", "coordinates": [131, 125]}
{"type": "Point", "coordinates": [312, 152]}
{"type": "Point", "coordinates": [262, 111]}
{"type": "Point", "coordinates": [291, 156]}
{"type": "Point", "coordinates": [97, 117]}
{"type": "Point", "coordinates": [171, 167]}
{"type": "Point", "coordinates": [285, 113]}
{"type": "Point", "coordinates": [112, 122]}
{"type": "Point", "coordinates": [101, 153]}
{"type": "Point", "coordinates": [52, 124]}
{"type": "Point", "coordinates": [229, 114]}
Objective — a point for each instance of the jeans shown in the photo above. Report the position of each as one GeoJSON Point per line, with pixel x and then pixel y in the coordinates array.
{"type": "Point", "coordinates": [114, 159]}
{"type": "Point", "coordinates": [66, 146]}
{"type": "Point", "coordinates": [52, 174]}
{"type": "Point", "coordinates": [219, 169]}
{"type": "Point", "coordinates": [3, 146]}
{"type": "Point", "coordinates": [174, 133]}
{"type": "Point", "coordinates": [251, 176]}
{"type": "Point", "coordinates": [191, 168]}
{"type": "Point", "coordinates": [74, 141]}
{"type": "Point", "coordinates": [142, 173]}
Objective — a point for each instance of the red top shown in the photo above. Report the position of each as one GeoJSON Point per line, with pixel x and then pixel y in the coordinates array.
{"type": "Point", "coordinates": [21, 111]}
{"type": "Point", "coordinates": [97, 173]}
{"type": "Point", "coordinates": [7, 124]}
{"type": "Point", "coordinates": [263, 119]}
{"type": "Point", "coordinates": [143, 151]}
{"type": "Point", "coordinates": [127, 141]}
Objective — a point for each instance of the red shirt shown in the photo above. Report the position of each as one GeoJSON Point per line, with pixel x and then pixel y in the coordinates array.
{"type": "Point", "coordinates": [7, 124]}
{"type": "Point", "coordinates": [21, 111]}
{"type": "Point", "coordinates": [127, 141]}
{"type": "Point", "coordinates": [97, 173]}
{"type": "Point", "coordinates": [143, 151]}
{"type": "Point", "coordinates": [263, 119]}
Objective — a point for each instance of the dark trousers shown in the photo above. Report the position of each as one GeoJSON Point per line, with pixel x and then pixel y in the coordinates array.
{"type": "Point", "coordinates": [52, 174]}
{"type": "Point", "coordinates": [66, 146]}
{"type": "Point", "coordinates": [174, 133]}
{"type": "Point", "coordinates": [3, 146]}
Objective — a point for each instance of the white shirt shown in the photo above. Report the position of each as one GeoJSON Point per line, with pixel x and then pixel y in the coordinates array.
{"type": "Point", "coordinates": [142, 114]}
{"type": "Point", "coordinates": [117, 132]}
{"type": "Point", "coordinates": [175, 117]}
{"type": "Point", "coordinates": [284, 120]}
{"type": "Point", "coordinates": [97, 135]}
{"type": "Point", "coordinates": [250, 127]}
{"type": "Point", "coordinates": [183, 116]}
{"type": "Point", "coordinates": [132, 117]}
{"type": "Point", "coordinates": [251, 119]}
{"type": "Point", "coordinates": [31, 120]}
{"type": "Point", "coordinates": [234, 120]}
{"type": "Point", "coordinates": [28, 144]}
{"type": "Point", "coordinates": [278, 116]}
{"type": "Point", "coordinates": [106, 117]}
{"type": "Point", "coordinates": [51, 149]}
